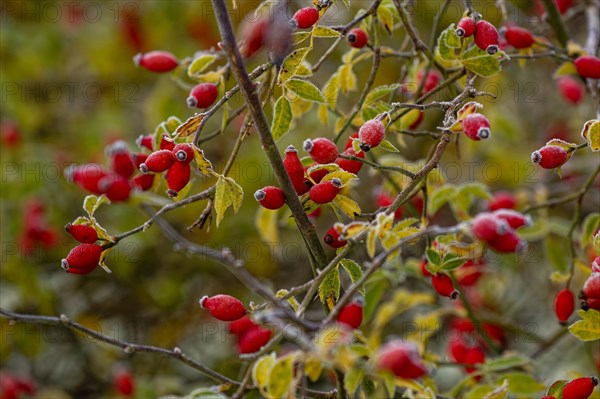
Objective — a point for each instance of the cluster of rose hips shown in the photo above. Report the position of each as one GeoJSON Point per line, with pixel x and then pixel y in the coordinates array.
{"type": "Point", "coordinates": [250, 335]}
{"type": "Point", "coordinates": [117, 181]}
{"type": "Point", "coordinates": [497, 229]}
{"type": "Point", "coordinates": [35, 228]}
{"type": "Point", "coordinates": [590, 294]}
{"type": "Point", "coordinates": [485, 34]}
{"type": "Point", "coordinates": [579, 388]}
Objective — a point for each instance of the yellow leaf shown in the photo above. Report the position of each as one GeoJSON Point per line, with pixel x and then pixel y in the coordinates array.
{"type": "Point", "coordinates": [587, 329]}
{"type": "Point", "coordinates": [189, 127]}
{"type": "Point", "coordinates": [204, 166]}
{"type": "Point", "coordinates": [347, 205]}
{"type": "Point", "coordinates": [266, 225]}
{"type": "Point", "coordinates": [591, 134]}
{"type": "Point", "coordinates": [291, 63]}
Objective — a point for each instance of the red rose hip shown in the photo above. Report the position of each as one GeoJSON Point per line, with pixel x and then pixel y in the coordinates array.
{"type": "Point", "coordinates": [82, 259]}
{"type": "Point", "coordinates": [83, 233]}
{"type": "Point", "coordinates": [295, 170]}
{"type": "Point", "coordinates": [357, 38]}
{"type": "Point", "coordinates": [326, 191]}
{"type": "Point", "coordinates": [321, 150]}
{"type": "Point", "coordinates": [332, 238]}
{"type": "Point", "coordinates": [588, 66]}
{"type": "Point", "coordinates": [518, 37]}
{"type": "Point", "coordinates": [371, 134]}
{"type": "Point", "coordinates": [202, 95]}
{"type": "Point", "coordinates": [580, 388]}
{"type": "Point", "coordinates": [223, 307]}
{"type": "Point", "coordinates": [444, 286]}
{"type": "Point", "coordinates": [486, 36]}
{"type": "Point", "coordinates": [465, 27]}
{"type": "Point", "coordinates": [564, 305]}
{"type": "Point", "coordinates": [270, 197]}
{"type": "Point", "coordinates": [156, 61]}
{"type": "Point", "coordinates": [550, 156]}
{"type": "Point", "coordinates": [351, 315]}
{"type": "Point", "coordinates": [306, 17]}
{"type": "Point", "coordinates": [476, 127]}
{"type": "Point", "coordinates": [158, 161]}
{"type": "Point", "coordinates": [178, 176]}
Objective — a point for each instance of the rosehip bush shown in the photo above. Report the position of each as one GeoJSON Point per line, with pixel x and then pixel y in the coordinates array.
{"type": "Point", "coordinates": [425, 220]}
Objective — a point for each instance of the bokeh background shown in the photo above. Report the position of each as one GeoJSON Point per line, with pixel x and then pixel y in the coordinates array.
{"type": "Point", "coordinates": [69, 88]}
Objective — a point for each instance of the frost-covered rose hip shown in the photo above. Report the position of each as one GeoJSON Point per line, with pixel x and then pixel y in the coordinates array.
{"type": "Point", "coordinates": [591, 292]}
{"type": "Point", "coordinates": [203, 95]}
{"type": "Point", "coordinates": [325, 191]}
{"type": "Point", "coordinates": [487, 227]}
{"type": "Point", "coordinates": [223, 307]}
{"type": "Point", "coordinates": [444, 286]}
{"type": "Point", "coordinates": [295, 170]}
{"type": "Point", "coordinates": [82, 259]}
{"type": "Point", "coordinates": [371, 134]}
{"type": "Point", "coordinates": [83, 233]}
{"type": "Point", "coordinates": [332, 238]}
{"type": "Point", "coordinates": [509, 242]}
{"type": "Point", "coordinates": [270, 197]}
{"type": "Point", "coordinates": [178, 177]}
{"type": "Point", "coordinates": [306, 17]}
{"type": "Point", "coordinates": [351, 315]}
{"type": "Point", "coordinates": [184, 152]}
{"type": "Point", "coordinates": [518, 37]}
{"type": "Point", "coordinates": [476, 127]}
{"type": "Point", "coordinates": [156, 61]}
{"type": "Point", "coordinates": [571, 89]}
{"type": "Point", "coordinates": [158, 161]}
{"type": "Point", "coordinates": [465, 27]}
{"type": "Point", "coordinates": [357, 38]}
{"type": "Point", "coordinates": [401, 359]}
{"type": "Point", "coordinates": [486, 36]}
{"type": "Point", "coordinates": [514, 219]}
{"type": "Point", "coordinates": [321, 150]}
{"type": "Point", "coordinates": [550, 156]}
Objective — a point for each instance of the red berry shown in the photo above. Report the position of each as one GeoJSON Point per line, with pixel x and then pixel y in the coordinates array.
{"type": "Point", "coordinates": [241, 326]}
{"type": "Point", "coordinates": [591, 292]}
{"type": "Point", "coordinates": [423, 267]}
{"type": "Point", "coordinates": [321, 150]}
{"type": "Point", "coordinates": [184, 153]}
{"type": "Point", "coordinates": [326, 191]}
{"type": "Point", "coordinates": [473, 356]}
{"type": "Point", "coordinates": [87, 176]}
{"type": "Point", "coordinates": [563, 5]}
{"type": "Point", "coordinates": [487, 227]}
{"type": "Point", "coordinates": [352, 314]}
{"type": "Point", "coordinates": [476, 127]}
{"type": "Point", "coordinates": [571, 89]}
{"type": "Point", "coordinates": [158, 161]}
{"type": "Point", "coordinates": [548, 397]}
{"type": "Point", "coordinates": [332, 238]}
{"type": "Point", "coordinates": [431, 81]}
{"type": "Point", "coordinates": [178, 176]}
{"type": "Point", "coordinates": [465, 27]}
{"type": "Point", "coordinates": [350, 140]}
{"type": "Point", "coordinates": [123, 382]}
{"type": "Point", "coordinates": [166, 143]}
{"type": "Point", "coordinates": [349, 165]}
{"type": "Point", "coordinates": [513, 218]}
{"type": "Point", "coordinates": [357, 38]}
{"type": "Point", "coordinates": [564, 305]}
{"type": "Point", "coordinates": [223, 307]}
{"type": "Point", "coordinates": [444, 286]}
{"type": "Point", "coordinates": [318, 174]}
{"type": "Point", "coordinates": [588, 66]}
{"type": "Point", "coordinates": [306, 17]}
{"type": "Point", "coordinates": [502, 200]}
{"type": "Point", "coordinates": [469, 273]}
{"type": "Point", "coordinates": [156, 61]}
{"type": "Point", "coordinates": [295, 170]}
{"type": "Point", "coordinates": [139, 159]}
{"type": "Point", "coordinates": [116, 188]}
{"type": "Point", "coordinates": [550, 156]}
{"type": "Point", "coordinates": [402, 359]}
{"type": "Point", "coordinates": [457, 350]}
{"type": "Point", "coordinates": [371, 134]}
{"type": "Point", "coordinates": [121, 159]}
{"type": "Point", "coordinates": [9, 387]}
{"type": "Point", "coordinates": [10, 132]}
{"type": "Point", "coordinates": [579, 388]}
{"type": "Point", "coordinates": [486, 36]}
{"type": "Point", "coordinates": [203, 95]}
{"type": "Point", "coordinates": [518, 37]}
{"type": "Point", "coordinates": [596, 265]}
{"type": "Point", "coordinates": [82, 233]}
{"type": "Point", "coordinates": [509, 242]}
{"type": "Point", "coordinates": [253, 35]}
{"type": "Point", "coordinates": [144, 141]}
{"type": "Point", "coordinates": [270, 197]}
{"type": "Point", "coordinates": [254, 339]}
{"type": "Point", "coordinates": [82, 259]}
{"type": "Point", "coordinates": [143, 182]}
{"type": "Point", "coordinates": [384, 200]}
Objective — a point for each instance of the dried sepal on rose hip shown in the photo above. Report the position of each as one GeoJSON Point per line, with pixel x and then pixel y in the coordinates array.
{"type": "Point", "coordinates": [564, 305]}
{"type": "Point", "coordinates": [351, 315]}
{"type": "Point", "coordinates": [83, 233]}
{"type": "Point", "coordinates": [371, 134]}
{"type": "Point", "coordinates": [357, 38]}
{"type": "Point", "coordinates": [158, 162]}
{"type": "Point", "coordinates": [203, 95]}
{"type": "Point", "coordinates": [486, 37]}
{"type": "Point", "coordinates": [321, 150]}
{"type": "Point", "coordinates": [178, 176]}
{"type": "Point", "coordinates": [270, 197]}
{"type": "Point", "coordinates": [306, 17]}
{"type": "Point", "coordinates": [82, 259]}
{"type": "Point", "coordinates": [326, 191]}
{"type": "Point", "coordinates": [223, 307]}
{"type": "Point", "coordinates": [156, 61]}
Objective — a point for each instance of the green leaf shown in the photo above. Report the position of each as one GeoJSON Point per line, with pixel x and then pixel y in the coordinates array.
{"type": "Point", "coordinates": [386, 145]}
{"type": "Point", "coordinates": [506, 362]}
{"type": "Point", "coordinates": [445, 51]}
{"type": "Point", "coordinates": [352, 380]}
{"type": "Point", "coordinates": [440, 196]}
{"type": "Point", "coordinates": [291, 63]}
{"type": "Point", "coordinates": [323, 31]}
{"type": "Point", "coordinates": [354, 271]}
{"type": "Point", "coordinates": [261, 369]}
{"type": "Point", "coordinates": [299, 37]}
{"type": "Point", "coordinates": [347, 205]}
{"type": "Point", "coordinates": [380, 92]}
{"type": "Point", "coordinates": [590, 225]}
{"type": "Point", "coordinates": [522, 384]}
{"type": "Point", "coordinates": [479, 392]}
{"type": "Point", "coordinates": [556, 389]}
{"type": "Point", "coordinates": [282, 118]}
{"type": "Point", "coordinates": [227, 193]}
{"type": "Point", "coordinates": [331, 90]}
{"type": "Point", "coordinates": [91, 203]}
{"type": "Point", "coordinates": [329, 290]}
{"type": "Point", "coordinates": [386, 16]}
{"type": "Point", "coordinates": [480, 62]}
{"type": "Point", "coordinates": [433, 257]}
{"type": "Point", "coordinates": [587, 329]}
{"type": "Point", "coordinates": [305, 90]}
{"type": "Point", "coordinates": [452, 262]}
{"type": "Point", "coordinates": [281, 377]}
{"type": "Point", "coordinates": [200, 64]}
